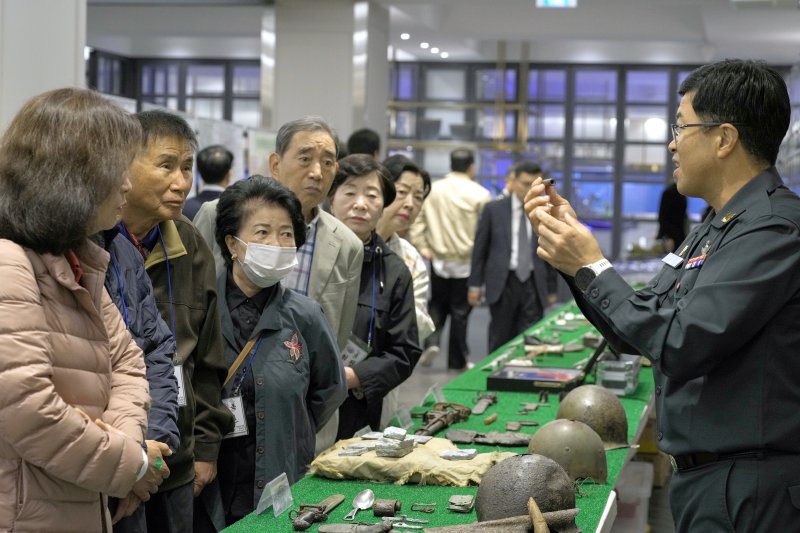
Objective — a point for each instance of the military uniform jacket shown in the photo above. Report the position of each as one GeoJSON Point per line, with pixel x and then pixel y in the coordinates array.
{"type": "Point", "coordinates": [296, 383]}
{"type": "Point", "coordinates": [722, 328]}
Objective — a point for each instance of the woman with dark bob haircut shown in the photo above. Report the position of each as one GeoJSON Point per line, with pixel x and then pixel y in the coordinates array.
{"type": "Point", "coordinates": [73, 410]}
{"type": "Point", "coordinates": [384, 347]}
{"type": "Point", "coordinates": [286, 378]}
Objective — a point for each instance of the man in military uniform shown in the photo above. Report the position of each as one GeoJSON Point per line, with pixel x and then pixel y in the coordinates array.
{"type": "Point", "coordinates": [720, 321]}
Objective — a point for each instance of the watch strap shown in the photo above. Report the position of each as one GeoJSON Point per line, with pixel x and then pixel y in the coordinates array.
{"type": "Point", "coordinates": [598, 267]}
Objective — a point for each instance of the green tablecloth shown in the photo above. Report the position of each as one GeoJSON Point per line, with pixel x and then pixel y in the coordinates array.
{"type": "Point", "coordinates": [591, 498]}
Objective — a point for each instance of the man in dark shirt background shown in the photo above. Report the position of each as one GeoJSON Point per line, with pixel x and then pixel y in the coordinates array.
{"type": "Point", "coordinates": [214, 166]}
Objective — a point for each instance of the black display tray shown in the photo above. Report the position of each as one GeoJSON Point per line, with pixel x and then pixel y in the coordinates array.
{"type": "Point", "coordinates": [534, 378]}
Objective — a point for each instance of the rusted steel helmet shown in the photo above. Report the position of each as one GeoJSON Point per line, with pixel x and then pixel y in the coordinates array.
{"type": "Point", "coordinates": [506, 487]}
{"type": "Point", "coordinates": [573, 445]}
{"type": "Point", "coordinates": [601, 410]}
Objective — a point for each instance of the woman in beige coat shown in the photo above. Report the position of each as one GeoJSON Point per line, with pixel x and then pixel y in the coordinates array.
{"type": "Point", "coordinates": [73, 394]}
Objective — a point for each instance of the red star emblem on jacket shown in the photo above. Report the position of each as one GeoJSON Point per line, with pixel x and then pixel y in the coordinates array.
{"type": "Point", "coordinates": [295, 348]}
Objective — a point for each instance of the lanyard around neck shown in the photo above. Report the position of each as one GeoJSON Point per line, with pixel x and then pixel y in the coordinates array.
{"type": "Point", "coordinates": [238, 386]}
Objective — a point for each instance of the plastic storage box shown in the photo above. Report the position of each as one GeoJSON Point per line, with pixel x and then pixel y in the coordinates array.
{"type": "Point", "coordinates": [634, 486]}
{"type": "Point", "coordinates": [620, 376]}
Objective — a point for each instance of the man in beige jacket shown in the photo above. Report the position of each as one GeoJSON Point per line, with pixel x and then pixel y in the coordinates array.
{"type": "Point", "coordinates": [444, 233]}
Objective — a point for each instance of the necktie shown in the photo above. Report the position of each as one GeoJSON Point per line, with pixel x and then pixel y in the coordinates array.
{"type": "Point", "coordinates": [524, 258]}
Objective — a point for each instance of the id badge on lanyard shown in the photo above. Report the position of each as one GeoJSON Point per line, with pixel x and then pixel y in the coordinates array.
{"type": "Point", "coordinates": [236, 406]}
{"type": "Point", "coordinates": [178, 369]}
{"type": "Point", "coordinates": [356, 351]}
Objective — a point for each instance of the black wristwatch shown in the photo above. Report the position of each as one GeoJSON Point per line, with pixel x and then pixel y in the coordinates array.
{"type": "Point", "coordinates": [586, 274]}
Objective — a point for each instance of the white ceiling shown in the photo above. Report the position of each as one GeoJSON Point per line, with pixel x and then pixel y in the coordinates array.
{"type": "Point", "coordinates": [652, 31]}
{"type": "Point", "coordinates": [598, 31]}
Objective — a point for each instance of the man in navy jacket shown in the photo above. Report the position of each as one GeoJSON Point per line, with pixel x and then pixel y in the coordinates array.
{"type": "Point", "coordinates": [132, 292]}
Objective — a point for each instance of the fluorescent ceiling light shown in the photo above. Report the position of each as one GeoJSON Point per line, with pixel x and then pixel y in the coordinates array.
{"type": "Point", "coordinates": [434, 50]}
{"type": "Point", "coordinates": [444, 55]}
{"type": "Point", "coordinates": [556, 3]}
{"type": "Point", "coordinates": [424, 45]}
{"type": "Point", "coordinates": [405, 36]}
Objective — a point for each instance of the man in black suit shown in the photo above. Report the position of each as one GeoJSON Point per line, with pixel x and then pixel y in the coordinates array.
{"type": "Point", "coordinates": [519, 285]}
{"type": "Point", "coordinates": [214, 166]}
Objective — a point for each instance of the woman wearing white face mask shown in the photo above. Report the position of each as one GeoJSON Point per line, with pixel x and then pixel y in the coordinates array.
{"type": "Point", "coordinates": [286, 377]}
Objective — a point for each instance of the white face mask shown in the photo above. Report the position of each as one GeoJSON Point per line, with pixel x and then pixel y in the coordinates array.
{"type": "Point", "coordinates": [266, 265]}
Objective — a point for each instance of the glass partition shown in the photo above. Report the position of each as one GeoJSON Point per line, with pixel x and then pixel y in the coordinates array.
{"type": "Point", "coordinates": [647, 124]}
{"type": "Point", "coordinates": [205, 79]}
{"type": "Point", "coordinates": [595, 122]}
{"type": "Point", "coordinates": [647, 86]}
{"type": "Point", "coordinates": [641, 200]}
{"type": "Point", "coordinates": [490, 127]}
{"type": "Point", "coordinates": [490, 85]}
{"type": "Point", "coordinates": [547, 121]}
{"type": "Point", "coordinates": [403, 123]}
{"type": "Point", "coordinates": [645, 162]}
{"type": "Point", "coordinates": [547, 85]}
{"type": "Point", "coordinates": [445, 84]}
{"type": "Point", "coordinates": [596, 85]}
{"type": "Point", "coordinates": [438, 122]}
{"type": "Point", "coordinates": [593, 200]}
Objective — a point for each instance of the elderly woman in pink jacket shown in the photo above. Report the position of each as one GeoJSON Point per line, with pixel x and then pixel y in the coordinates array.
{"type": "Point", "coordinates": [73, 394]}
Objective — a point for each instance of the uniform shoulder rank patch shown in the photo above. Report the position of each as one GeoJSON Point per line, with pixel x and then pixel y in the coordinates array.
{"type": "Point", "coordinates": [728, 217]}
{"type": "Point", "coordinates": [295, 348]}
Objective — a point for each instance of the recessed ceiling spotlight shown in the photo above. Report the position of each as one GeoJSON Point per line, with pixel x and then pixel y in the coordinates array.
{"type": "Point", "coordinates": [424, 46]}
{"type": "Point", "coordinates": [444, 55]}
{"type": "Point", "coordinates": [405, 36]}
{"type": "Point", "coordinates": [434, 50]}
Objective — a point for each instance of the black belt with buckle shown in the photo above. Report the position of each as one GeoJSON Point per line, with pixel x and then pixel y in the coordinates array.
{"type": "Point", "coordinates": [694, 460]}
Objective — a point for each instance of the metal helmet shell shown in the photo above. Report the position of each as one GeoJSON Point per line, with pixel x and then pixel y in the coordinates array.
{"type": "Point", "coordinates": [601, 410]}
{"type": "Point", "coordinates": [573, 445]}
{"type": "Point", "coordinates": [506, 487]}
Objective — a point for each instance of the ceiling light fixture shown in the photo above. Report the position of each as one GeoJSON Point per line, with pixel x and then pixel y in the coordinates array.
{"type": "Point", "coordinates": [444, 55]}
{"type": "Point", "coordinates": [405, 36]}
{"type": "Point", "coordinates": [434, 50]}
{"type": "Point", "coordinates": [424, 45]}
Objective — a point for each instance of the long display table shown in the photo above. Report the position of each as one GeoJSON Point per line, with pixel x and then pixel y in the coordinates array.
{"type": "Point", "coordinates": [596, 502]}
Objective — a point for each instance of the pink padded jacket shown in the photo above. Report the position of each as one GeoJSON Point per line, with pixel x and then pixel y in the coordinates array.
{"type": "Point", "coordinates": [64, 346]}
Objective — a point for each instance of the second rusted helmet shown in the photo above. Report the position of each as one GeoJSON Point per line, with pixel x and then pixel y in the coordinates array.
{"type": "Point", "coordinates": [573, 445]}
{"type": "Point", "coordinates": [601, 410]}
{"type": "Point", "coordinates": [506, 487]}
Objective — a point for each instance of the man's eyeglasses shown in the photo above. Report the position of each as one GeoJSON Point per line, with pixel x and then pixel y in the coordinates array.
{"type": "Point", "coordinates": [676, 128]}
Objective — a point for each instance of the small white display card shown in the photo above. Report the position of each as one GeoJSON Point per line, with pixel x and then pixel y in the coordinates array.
{"type": "Point", "coordinates": [363, 431]}
{"type": "Point", "coordinates": [436, 392]}
{"type": "Point", "coordinates": [277, 495]}
{"type": "Point", "coordinates": [403, 417]}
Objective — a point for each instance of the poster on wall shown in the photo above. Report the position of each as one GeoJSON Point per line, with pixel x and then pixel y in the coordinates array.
{"type": "Point", "coordinates": [229, 135]}
{"type": "Point", "coordinates": [260, 143]}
